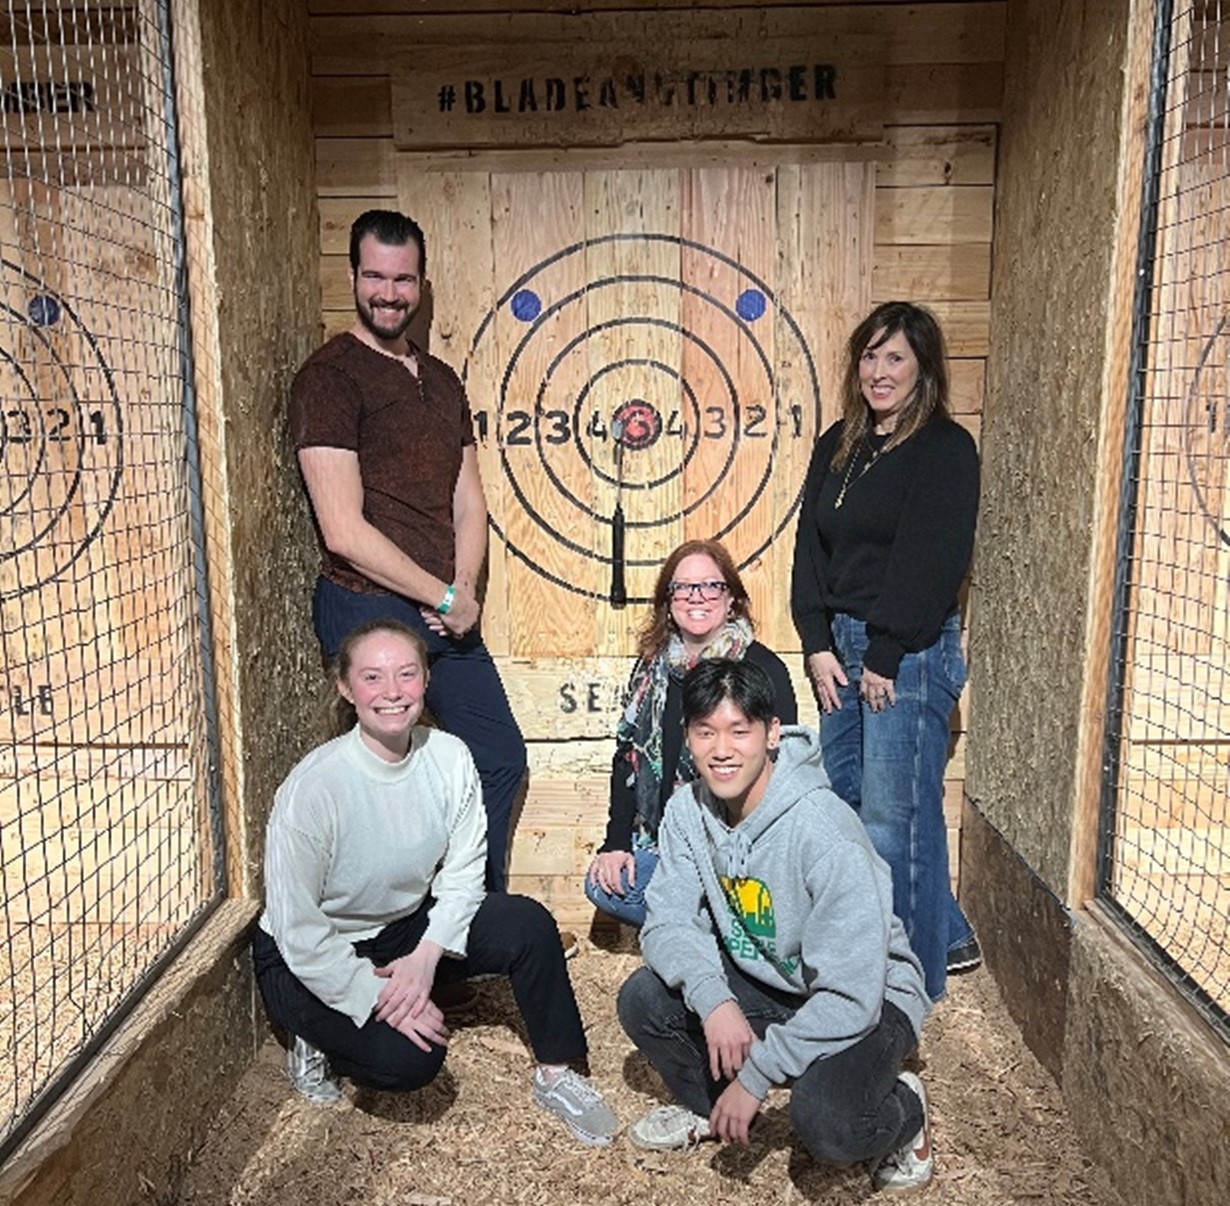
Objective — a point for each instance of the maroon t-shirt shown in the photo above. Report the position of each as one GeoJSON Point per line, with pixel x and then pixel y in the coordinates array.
{"type": "Point", "coordinates": [409, 434]}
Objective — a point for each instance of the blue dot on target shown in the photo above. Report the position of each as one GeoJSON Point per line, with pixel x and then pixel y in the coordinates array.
{"type": "Point", "coordinates": [526, 305]}
{"type": "Point", "coordinates": [44, 310]}
{"type": "Point", "coordinates": [750, 305]}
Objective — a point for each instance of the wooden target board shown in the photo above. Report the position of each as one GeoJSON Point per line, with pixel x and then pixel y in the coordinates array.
{"type": "Point", "coordinates": [101, 794]}
{"type": "Point", "coordinates": [61, 433]}
{"type": "Point", "coordinates": [651, 339]}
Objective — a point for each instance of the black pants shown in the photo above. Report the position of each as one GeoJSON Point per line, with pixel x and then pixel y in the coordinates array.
{"type": "Point", "coordinates": [510, 935]}
{"type": "Point", "coordinates": [846, 1108]}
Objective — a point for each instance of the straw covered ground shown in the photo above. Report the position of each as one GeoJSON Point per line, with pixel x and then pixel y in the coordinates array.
{"type": "Point", "coordinates": [472, 1138]}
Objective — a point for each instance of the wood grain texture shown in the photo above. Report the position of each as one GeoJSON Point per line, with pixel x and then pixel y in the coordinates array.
{"type": "Point", "coordinates": [943, 272]}
{"type": "Point", "coordinates": [962, 35]}
{"type": "Point", "coordinates": [825, 216]}
{"type": "Point", "coordinates": [930, 155]}
{"type": "Point", "coordinates": [909, 156]}
{"type": "Point", "coordinates": [731, 454]}
{"type": "Point", "coordinates": [534, 216]}
{"type": "Point", "coordinates": [604, 92]}
{"type": "Point", "coordinates": [917, 94]}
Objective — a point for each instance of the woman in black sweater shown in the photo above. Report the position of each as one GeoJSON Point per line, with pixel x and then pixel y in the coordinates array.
{"type": "Point", "coordinates": [884, 541]}
{"type": "Point", "coordinates": [700, 610]}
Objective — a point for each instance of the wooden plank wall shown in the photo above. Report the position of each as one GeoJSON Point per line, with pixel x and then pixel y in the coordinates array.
{"type": "Point", "coordinates": [934, 182]}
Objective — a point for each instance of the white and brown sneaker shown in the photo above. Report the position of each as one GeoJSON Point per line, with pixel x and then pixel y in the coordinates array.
{"type": "Point", "coordinates": [669, 1128]}
{"type": "Point", "coordinates": [912, 1166]}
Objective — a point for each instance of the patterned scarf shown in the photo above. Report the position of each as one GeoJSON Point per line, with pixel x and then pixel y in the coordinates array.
{"type": "Point", "coordinates": [639, 734]}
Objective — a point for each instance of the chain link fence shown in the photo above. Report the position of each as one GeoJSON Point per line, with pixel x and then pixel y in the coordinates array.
{"type": "Point", "coordinates": [1165, 852]}
{"type": "Point", "coordinates": [109, 839]}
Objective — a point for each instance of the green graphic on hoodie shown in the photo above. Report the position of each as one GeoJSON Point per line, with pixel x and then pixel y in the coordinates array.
{"type": "Point", "coordinates": [752, 903]}
{"type": "Point", "coordinates": [753, 930]}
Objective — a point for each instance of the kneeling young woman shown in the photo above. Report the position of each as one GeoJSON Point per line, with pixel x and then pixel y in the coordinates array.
{"type": "Point", "coordinates": [374, 895]}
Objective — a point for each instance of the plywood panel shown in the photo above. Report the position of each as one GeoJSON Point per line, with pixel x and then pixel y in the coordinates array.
{"type": "Point", "coordinates": [361, 106]}
{"type": "Point", "coordinates": [967, 325]}
{"type": "Point", "coordinates": [732, 424]}
{"type": "Point", "coordinates": [570, 700]}
{"type": "Point", "coordinates": [351, 107]}
{"type": "Point", "coordinates": [910, 156]}
{"type": "Point", "coordinates": [933, 155]}
{"type": "Point", "coordinates": [967, 382]}
{"type": "Point", "coordinates": [934, 214]}
{"type": "Point", "coordinates": [540, 340]}
{"type": "Point", "coordinates": [103, 850]}
{"type": "Point", "coordinates": [948, 272]}
{"type": "Point", "coordinates": [637, 360]}
{"type": "Point", "coordinates": [350, 167]}
{"type": "Point", "coordinates": [603, 91]}
{"type": "Point", "coordinates": [825, 246]}
{"type": "Point", "coordinates": [92, 488]}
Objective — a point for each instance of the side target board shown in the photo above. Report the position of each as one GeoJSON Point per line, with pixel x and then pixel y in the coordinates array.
{"type": "Point", "coordinates": [680, 368]}
{"type": "Point", "coordinates": [61, 436]}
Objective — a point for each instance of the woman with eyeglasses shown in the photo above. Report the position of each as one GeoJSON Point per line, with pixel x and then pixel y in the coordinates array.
{"type": "Point", "coordinates": [700, 610]}
{"type": "Point", "coordinates": [885, 537]}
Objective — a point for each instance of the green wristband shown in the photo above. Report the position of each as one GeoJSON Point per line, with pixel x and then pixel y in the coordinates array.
{"type": "Point", "coordinates": [446, 604]}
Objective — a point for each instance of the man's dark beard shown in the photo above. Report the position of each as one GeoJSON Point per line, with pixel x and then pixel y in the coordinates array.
{"type": "Point", "coordinates": [367, 318]}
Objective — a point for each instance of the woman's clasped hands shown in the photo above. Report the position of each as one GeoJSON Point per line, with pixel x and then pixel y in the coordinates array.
{"type": "Point", "coordinates": [405, 1001]}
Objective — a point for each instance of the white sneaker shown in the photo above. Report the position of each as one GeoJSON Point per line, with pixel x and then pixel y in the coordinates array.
{"type": "Point", "coordinates": [308, 1070]}
{"type": "Point", "coordinates": [669, 1128]}
{"type": "Point", "coordinates": [909, 1167]}
{"type": "Point", "coordinates": [578, 1103]}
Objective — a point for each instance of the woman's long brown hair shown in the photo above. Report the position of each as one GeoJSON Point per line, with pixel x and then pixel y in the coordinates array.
{"type": "Point", "coordinates": [922, 332]}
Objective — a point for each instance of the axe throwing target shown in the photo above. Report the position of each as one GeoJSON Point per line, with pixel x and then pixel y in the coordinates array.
{"type": "Point", "coordinates": [695, 425]}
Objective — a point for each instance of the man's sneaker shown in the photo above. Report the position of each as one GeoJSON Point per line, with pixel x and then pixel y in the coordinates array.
{"type": "Point", "coordinates": [308, 1070]}
{"type": "Point", "coordinates": [909, 1167]}
{"type": "Point", "coordinates": [965, 957]}
{"type": "Point", "coordinates": [568, 940]}
{"type": "Point", "coordinates": [669, 1128]}
{"type": "Point", "coordinates": [575, 1100]}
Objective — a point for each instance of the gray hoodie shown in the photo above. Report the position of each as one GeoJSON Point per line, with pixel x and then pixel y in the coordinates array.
{"type": "Point", "coordinates": [799, 900]}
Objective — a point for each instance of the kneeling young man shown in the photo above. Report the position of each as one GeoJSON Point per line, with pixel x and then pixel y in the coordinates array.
{"type": "Point", "coordinates": [771, 950]}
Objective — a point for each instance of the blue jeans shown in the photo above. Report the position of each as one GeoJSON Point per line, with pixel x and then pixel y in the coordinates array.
{"type": "Point", "coordinates": [630, 907]}
{"type": "Point", "coordinates": [465, 695]}
{"type": "Point", "coordinates": [889, 767]}
{"type": "Point", "coordinates": [845, 1108]}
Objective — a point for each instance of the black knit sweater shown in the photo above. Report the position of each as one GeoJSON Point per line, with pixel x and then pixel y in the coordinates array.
{"type": "Point", "coordinates": [895, 552]}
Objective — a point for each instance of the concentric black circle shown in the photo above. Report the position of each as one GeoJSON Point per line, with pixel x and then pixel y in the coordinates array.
{"type": "Point", "coordinates": [1206, 431]}
{"type": "Point", "coordinates": [61, 438]}
{"type": "Point", "coordinates": [570, 364]}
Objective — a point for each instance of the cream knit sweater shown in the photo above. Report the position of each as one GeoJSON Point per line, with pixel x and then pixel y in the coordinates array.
{"type": "Point", "coordinates": [355, 843]}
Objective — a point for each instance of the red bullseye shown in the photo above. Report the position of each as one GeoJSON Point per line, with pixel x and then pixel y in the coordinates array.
{"type": "Point", "coordinates": [640, 423]}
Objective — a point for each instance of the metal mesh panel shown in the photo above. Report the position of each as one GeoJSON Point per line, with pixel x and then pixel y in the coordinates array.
{"type": "Point", "coordinates": [107, 827]}
{"type": "Point", "coordinates": [1166, 823]}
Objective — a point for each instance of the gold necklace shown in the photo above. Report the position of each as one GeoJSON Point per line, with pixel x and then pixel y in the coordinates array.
{"type": "Point", "coordinates": [845, 485]}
